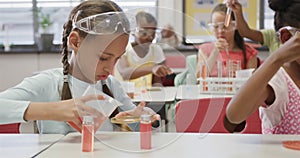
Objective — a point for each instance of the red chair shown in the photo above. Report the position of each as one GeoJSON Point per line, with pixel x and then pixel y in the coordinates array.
{"type": "Point", "coordinates": [175, 60]}
{"type": "Point", "coordinates": [206, 116]}
{"type": "Point", "coordinates": [10, 128]}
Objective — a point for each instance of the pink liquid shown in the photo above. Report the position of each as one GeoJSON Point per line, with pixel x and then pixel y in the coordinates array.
{"type": "Point", "coordinates": [227, 18]}
{"type": "Point", "coordinates": [74, 125]}
{"type": "Point", "coordinates": [145, 133]}
{"type": "Point", "coordinates": [87, 138]}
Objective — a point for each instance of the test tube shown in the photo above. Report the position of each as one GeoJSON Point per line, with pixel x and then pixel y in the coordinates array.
{"type": "Point", "coordinates": [228, 16]}
{"type": "Point", "coordinates": [220, 66]}
{"type": "Point", "coordinates": [145, 132]}
{"type": "Point", "coordinates": [229, 65]}
{"type": "Point", "coordinates": [87, 134]}
{"type": "Point", "coordinates": [204, 75]}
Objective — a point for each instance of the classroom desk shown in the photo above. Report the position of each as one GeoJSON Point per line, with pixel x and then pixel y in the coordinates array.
{"type": "Point", "coordinates": [156, 94]}
{"type": "Point", "coordinates": [193, 92]}
{"type": "Point", "coordinates": [120, 144]}
{"type": "Point", "coordinates": [157, 100]}
{"type": "Point", "coordinates": [25, 145]}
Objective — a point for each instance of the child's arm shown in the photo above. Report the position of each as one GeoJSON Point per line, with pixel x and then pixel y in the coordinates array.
{"type": "Point", "coordinates": [242, 25]}
{"type": "Point", "coordinates": [67, 110]}
{"type": "Point", "coordinates": [256, 90]}
{"type": "Point", "coordinates": [128, 72]}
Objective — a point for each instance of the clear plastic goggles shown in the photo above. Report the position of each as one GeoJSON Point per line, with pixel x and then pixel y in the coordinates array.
{"type": "Point", "coordinates": [220, 26]}
{"type": "Point", "coordinates": [105, 23]}
{"type": "Point", "coordinates": [146, 32]}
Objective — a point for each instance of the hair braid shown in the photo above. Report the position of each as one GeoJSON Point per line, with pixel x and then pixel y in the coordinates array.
{"type": "Point", "coordinates": [66, 92]}
{"type": "Point", "coordinates": [87, 8]}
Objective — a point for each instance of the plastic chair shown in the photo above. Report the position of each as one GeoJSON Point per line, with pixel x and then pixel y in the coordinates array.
{"type": "Point", "coordinates": [206, 116]}
{"type": "Point", "coordinates": [175, 60]}
{"type": "Point", "coordinates": [10, 128]}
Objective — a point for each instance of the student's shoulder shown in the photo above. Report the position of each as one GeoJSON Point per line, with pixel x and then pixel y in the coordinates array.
{"type": "Point", "coordinates": [113, 82]}
{"type": "Point", "coordinates": [270, 32]}
{"type": "Point", "coordinates": [155, 46]}
{"type": "Point", "coordinates": [206, 45]}
{"type": "Point", "coordinates": [250, 49]}
{"type": "Point", "coordinates": [52, 73]}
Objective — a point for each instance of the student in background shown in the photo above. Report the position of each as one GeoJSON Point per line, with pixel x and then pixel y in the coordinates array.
{"type": "Point", "coordinates": [265, 37]}
{"type": "Point", "coordinates": [229, 45]}
{"type": "Point", "coordinates": [56, 94]}
{"type": "Point", "coordinates": [143, 62]}
{"type": "Point", "coordinates": [274, 87]}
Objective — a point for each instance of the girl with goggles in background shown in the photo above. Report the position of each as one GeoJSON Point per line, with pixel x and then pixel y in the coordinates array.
{"type": "Point", "coordinates": [97, 33]}
{"type": "Point", "coordinates": [143, 60]}
{"type": "Point", "coordinates": [229, 45]}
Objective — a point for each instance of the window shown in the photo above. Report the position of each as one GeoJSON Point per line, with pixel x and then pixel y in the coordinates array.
{"type": "Point", "coordinates": [269, 17]}
{"type": "Point", "coordinates": [19, 26]}
{"type": "Point", "coordinates": [16, 22]}
{"type": "Point", "coordinates": [58, 10]}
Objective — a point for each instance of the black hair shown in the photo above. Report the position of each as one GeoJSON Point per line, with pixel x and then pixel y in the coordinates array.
{"type": "Point", "coordinates": [287, 12]}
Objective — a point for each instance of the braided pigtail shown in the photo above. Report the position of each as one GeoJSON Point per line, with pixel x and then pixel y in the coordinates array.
{"type": "Point", "coordinates": [66, 92]}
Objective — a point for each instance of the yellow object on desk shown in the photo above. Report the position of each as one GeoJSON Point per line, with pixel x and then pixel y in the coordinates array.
{"type": "Point", "coordinates": [124, 120]}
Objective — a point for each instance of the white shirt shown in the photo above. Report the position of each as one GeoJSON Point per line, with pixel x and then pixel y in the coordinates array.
{"type": "Point", "coordinates": [272, 115]}
{"type": "Point", "coordinates": [155, 53]}
{"type": "Point", "coordinates": [47, 87]}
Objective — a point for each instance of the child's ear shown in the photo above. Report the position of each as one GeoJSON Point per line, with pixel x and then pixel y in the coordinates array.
{"type": "Point", "coordinates": [285, 35]}
{"type": "Point", "coordinates": [74, 40]}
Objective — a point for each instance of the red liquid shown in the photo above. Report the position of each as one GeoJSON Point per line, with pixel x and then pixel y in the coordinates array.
{"type": "Point", "coordinates": [227, 18]}
{"type": "Point", "coordinates": [145, 133]}
{"type": "Point", "coordinates": [204, 75]}
{"type": "Point", "coordinates": [74, 126]}
{"type": "Point", "coordinates": [87, 138]}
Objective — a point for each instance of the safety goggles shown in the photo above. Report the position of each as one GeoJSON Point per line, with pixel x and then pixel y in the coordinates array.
{"type": "Point", "coordinates": [105, 23]}
{"type": "Point", "coordinates": [146, 32]}
{"type": "Point", "coordinates": [220, 26]}
{"type": "Point", "coordinates": [291, 29]}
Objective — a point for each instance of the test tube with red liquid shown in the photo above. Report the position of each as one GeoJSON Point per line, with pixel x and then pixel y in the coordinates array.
{"type": "Point", "coordinates": [228, 16]}
{"type": "Point", "coordinates": [87, 140]}
{"type": "Point", "coordinates": [145, 131]}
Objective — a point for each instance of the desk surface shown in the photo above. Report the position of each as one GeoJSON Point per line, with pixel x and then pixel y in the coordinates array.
{"type": "Point", "coordinates": [120, 144]}
{"type": "Point", "coordinates": [25, 145]}
{"type": "Point", "coordinates": [193, 92]}
{"type": "Point", "coordinates": [164, 94]}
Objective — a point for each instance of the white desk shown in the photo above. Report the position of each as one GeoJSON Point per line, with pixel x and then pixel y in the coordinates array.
{"type": "Point", "coordinates": [193, 92]}
{"type": "Point", "coordinates": [157, 100]}
{"type": "Point", "coordinates": [25, 145]}
{"type": "Point", "coordinates": [165, 94]}
{"type": "Point", "coordinates": [118, 144]}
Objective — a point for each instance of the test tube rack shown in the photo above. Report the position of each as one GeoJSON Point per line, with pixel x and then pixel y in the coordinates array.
{"type": "Point", "coordinates": [224, 85]}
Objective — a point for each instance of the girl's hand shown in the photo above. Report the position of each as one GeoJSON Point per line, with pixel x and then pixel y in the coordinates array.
{"type": "Point", "coordinates": [289, 51]}
{"type": "Point", "coordinates": [235, 5]}
{"type": "Point", "coordinates": [161, 70]}
{"type": "Point", "coordinates": [138, 111]}
{"type": "Point", "coordinates": [74, 109]}
{"type": "Point", "coordinates": [221, 44]}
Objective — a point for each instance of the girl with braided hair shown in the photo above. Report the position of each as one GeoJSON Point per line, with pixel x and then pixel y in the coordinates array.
{"type": "Point", "coordinates": [97, 33]}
